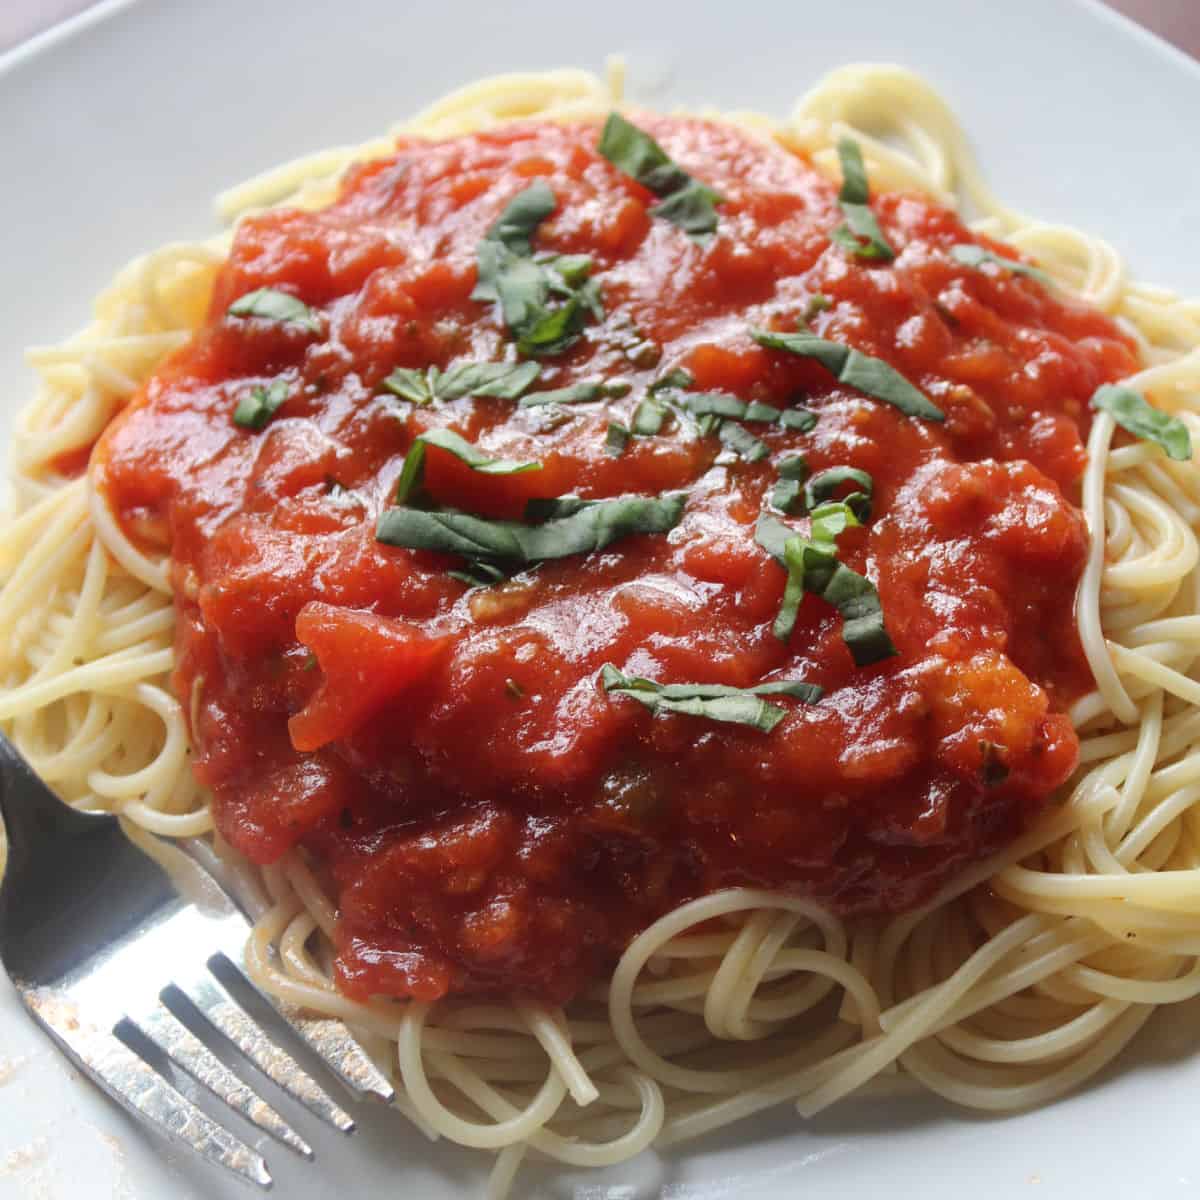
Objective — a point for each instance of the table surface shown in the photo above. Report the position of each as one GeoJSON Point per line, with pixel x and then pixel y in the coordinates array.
{"type": "Point", "coordinates": [1176, 20]}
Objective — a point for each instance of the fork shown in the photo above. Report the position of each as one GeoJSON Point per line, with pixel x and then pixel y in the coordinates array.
{"type": "Point", "coordinates": [105, 943]}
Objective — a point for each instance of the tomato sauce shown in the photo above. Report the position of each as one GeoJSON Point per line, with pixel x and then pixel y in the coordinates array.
{"type": "Point", "coordinates": [490, 820]}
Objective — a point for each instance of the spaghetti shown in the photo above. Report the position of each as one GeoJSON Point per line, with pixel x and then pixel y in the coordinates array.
{"type": "Point", "coordinates": [1015, 984]}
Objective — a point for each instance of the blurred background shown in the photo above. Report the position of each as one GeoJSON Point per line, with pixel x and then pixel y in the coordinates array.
{"type": "Point", "coordinates": [1176, 20]}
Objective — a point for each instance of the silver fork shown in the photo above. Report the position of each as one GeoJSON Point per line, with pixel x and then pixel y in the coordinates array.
{"type": "Point", "coordinates": [103, 943]}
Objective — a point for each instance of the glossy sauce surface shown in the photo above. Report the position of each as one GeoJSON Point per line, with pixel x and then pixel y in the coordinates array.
{"type": "Point", "coordinates": [489, 818]}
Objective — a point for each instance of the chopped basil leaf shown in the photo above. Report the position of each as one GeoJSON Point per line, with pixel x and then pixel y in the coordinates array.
{"type": "Point", "coordinates": [855, 188]}
{"type": "Point", "coordinates": [550, 508]}
{"type": "Point", "coordinates": [506, 381]}
{"type": "Point", "coordinates": [692, 208]}
{"type": "Point", "coordinates": [714, 701]}
{"type": "Point", "coordinates": [793, 471]}
{"type": "Point", "coordinates": [274, 305]}
{"type": "Point", "coordinates": [684, 201]}
{"type": "Point", "coordinates": [573, 268]}
{"type": "Point", "coordinates": [707, 423]}
{"type": "Point", "coordinates": [514, 280]}
{"type": "Point", "coordinates": [799, 557]}
{"type": "Point", "coordinates": [522, 285]}
{"type": "Point", "coordinates": [676, 377]}
{"type": "Point", "coordinates": [310, 664]}
{"type": "Point", "coordinates": [822, 486]}
{"type": "Point", "coordinates": [803, 420]}
{"type": "Point", "coordinates": [816, 303]}
{"type": "Point", "coordinates": [971, 255]}
{"type": "Point", "coordinates": [636, 153]}
{"type": "Point", "coordinates": [832, 519]}
{"type": "Point", "coordinates": [860, 233]}
{"type": "Point", "coordinates": [479, 575]}
{"type": "Point", "coordinates": [785, 494]}
{"type": "Point", "coordinates": [756, 411]}
{"type": "Point", "coordinates": [742, 442]}
{"type": "Point", "coordinates": [812, 566]}
{"type": "Point", "coordinates": [1131, 410]}
{"type": "Point", "coordinates": [871, 376]}
{"type": "Point", "coordinates": [616, 439]}
{"type": "Point", "coordinates": [514, 689]}
{"type": "Point", "coordinates": [467, 452]}
{"type": "Point", "coordinates": [255, 410]}
{"type": "Point", "coordinates": [648, 417]}
{"type": "Point", "coordinates": [552, 330]}
{"type": "Point", "coordinates": [410, 383]}
{"type": "Point", "coordinates": [720, 404]}
{"type": "Point", "coordinates": [772, 535]}
{"type": "Point", "coordinates": [576, 393]}
{"type": "Point", "coordinates": [516, 225]}
{"type": "Point", "coordinates": [575, 527]}
{"type": "Point", "coordinates": [863, 630]}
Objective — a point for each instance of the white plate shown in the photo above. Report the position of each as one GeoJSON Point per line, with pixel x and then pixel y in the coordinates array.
{"type": "Point", "coordinates": [116, 131]}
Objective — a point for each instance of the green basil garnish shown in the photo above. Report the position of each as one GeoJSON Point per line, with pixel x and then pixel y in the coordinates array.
{"type": "Point", "coordinates": [575, 393]}
{"type": "Point", "coordinates": [274, 305]}
{"type": "Point", "coordinates": [554, 330]}
{"type": "Point", "coordinates": [742, 442]}
{"type": "Point", "coordinates": [649, 416]}
{"type": "Point", "coordinates": [722, 404]}
{"type": "Point", "coordinates": [766, 413]}
{"type": "Point", "coordinates": [717, 404]}
{"type": "Point", "coordinates": [410, 383]}
{"type": "Point", "coordinates": [803, 420]}
{"type": "Point", "coordinates": [692, 208]}
{"type": "Point", "coordinates": [616, 439]}
{"type": "Point", "coordinates": [572, 526]}
{"type": "Point", "coordinates": [684, 201]}
{"type": "Point", "coordinates": [506, 381]}
{"type": "Point", "coordinates": [255, 410]}
{"type": "Point", "coordinates": [679, 378]}
{"type": "Point", "coordinates": [713, 701]}
{"type": "Point", "coordinates": [971, 255]}
{"type": "Point", "coordinates": [857, 599]}
{"type": "Point", "coordinates": [871, 376]}
{"type": "Point", "coordinates": [573, 269]}
{"type": "Point", "coordinates": [822, 486]}
{"type": "Point", "coordinates": [516, 225]}
{"type": "Point", "coordinates": [772, 535]}
{"type": "Point", "coordinates": [793, 471]}
{"type": "Point", "coordinates": [479, 575]}
{"type": "Point", "coordinates": [467, 452]}
{"type": "Point", "coordinates": [1131, 410]}
{"type": "Point", "coordinates": [812, 566]}
{"type": "Point", "coordinates": [860, 232]}
{"type": "Point", "coordinates": [816, 303]}
{"type": "Point", "coordinates": [522, 284]}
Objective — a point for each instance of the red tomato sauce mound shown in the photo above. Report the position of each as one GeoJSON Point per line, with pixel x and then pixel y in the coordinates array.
{"type": "Point", "coordinates": [490, 820]}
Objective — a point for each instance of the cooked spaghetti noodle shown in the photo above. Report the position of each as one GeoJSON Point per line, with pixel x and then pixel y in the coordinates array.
{"type": "Point", "coordinates": [1013, 986]}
